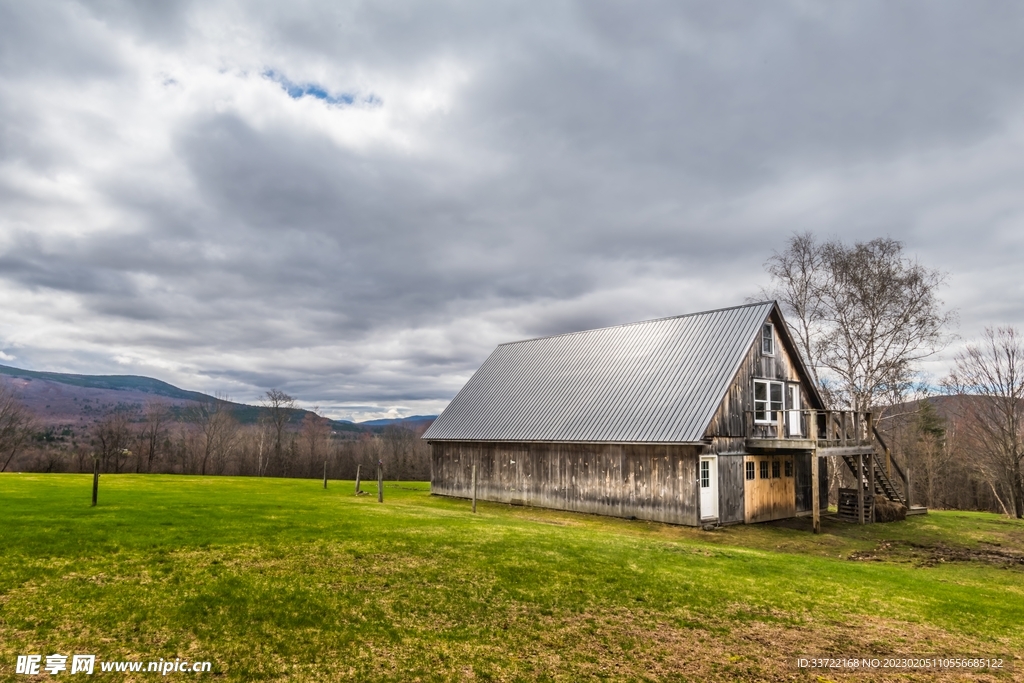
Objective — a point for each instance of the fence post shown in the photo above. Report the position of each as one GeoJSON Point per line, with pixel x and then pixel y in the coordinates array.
{"type": "Point", "coordinates": [95, 479]}
{"type": "Point", "coordinates": [359, 471]}
{"type": "Point", "coordinates": [474, 487]}
{"type": "Point", "coordinates": [380, 482]}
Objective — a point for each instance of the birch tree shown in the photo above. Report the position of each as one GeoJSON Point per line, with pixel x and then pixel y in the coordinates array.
{"type": "Point", "coordinates": [863, 315]}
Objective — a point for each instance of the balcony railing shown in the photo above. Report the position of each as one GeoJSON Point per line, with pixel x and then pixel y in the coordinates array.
{"type": "Point", "coordinates": [825, 428]}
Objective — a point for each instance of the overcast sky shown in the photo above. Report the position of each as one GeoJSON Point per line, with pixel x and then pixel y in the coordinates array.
{"type": "Point", "coordinates": [355, 202]}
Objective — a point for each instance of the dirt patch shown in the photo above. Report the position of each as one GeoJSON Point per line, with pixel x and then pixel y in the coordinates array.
{"type": "Point", "coordinates": [930, 555]}
{"type": "Point", "coordinates": [553, 522]}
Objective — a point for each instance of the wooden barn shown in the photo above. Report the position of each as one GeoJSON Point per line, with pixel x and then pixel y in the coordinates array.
{"type": "Point", "coordinates": [707, 418]}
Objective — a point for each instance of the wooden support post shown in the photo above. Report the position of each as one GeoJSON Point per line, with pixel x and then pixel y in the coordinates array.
{"type": "Point", "coordinates": [815, 493]}
{"type": "Point", "coordinates": [95, 479]}
{"type": "Point", "coordinates": [380, 482]}
{"type": "Point", "coordinates": [842, 429]}
{"type": "Point", "coordinates": [871, 482]}
{"type": "Point", "coordinates": [780, 424]}
{"type": "Point", "coordinates": [860, 487]}
{"type": "Point", "coordinates": [812, 432]}
{"type": "Point", "coordinates": [359, 471]}
{"type": "Point", "coordinates": [474, 487]}
{"type": "Point", "coordinates": [325, 474]}
{"type": "Point", "coordinates": [908, 482]}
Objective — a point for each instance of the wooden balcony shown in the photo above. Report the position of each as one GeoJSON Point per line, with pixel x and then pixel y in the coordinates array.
{"type": "Point", "coordinates": [841, 432]}
{"type": "Point", "coordinates": [851, 437]}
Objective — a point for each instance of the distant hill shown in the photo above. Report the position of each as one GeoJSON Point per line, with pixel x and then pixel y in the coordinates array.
{"type": "Point", "coordinates": [146, 385]}
{"type": "Point", "coordinates": [59, 398]}
{"type": "Point", "coordinates": [412, 421]}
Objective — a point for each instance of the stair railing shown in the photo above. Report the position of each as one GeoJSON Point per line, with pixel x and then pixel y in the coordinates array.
{"type": "Point", "coordinates": [892, 464]}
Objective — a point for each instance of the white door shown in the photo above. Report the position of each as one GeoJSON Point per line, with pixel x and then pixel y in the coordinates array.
{"type": "Point", "coordinates": [793, 406]}
{"type": "Point", "coordinates": [709, 487]}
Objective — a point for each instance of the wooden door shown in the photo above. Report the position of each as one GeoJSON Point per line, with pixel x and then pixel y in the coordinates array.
{"type": "Point", "coordinates": [771, 492]}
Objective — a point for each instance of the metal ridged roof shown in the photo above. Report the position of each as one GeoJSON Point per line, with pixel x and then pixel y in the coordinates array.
{"type": "Point", "coordinates": [658, 381]}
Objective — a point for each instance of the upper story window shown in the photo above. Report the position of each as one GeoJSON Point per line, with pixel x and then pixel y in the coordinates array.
{"type": "Point", "coordinates": [768, 401]}
{"type": "Point", "coordinates": [768, 339]}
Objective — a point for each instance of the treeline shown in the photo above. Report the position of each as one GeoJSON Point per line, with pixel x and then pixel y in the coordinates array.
{"type": "Point", "coordinates": [935, 439]}
{"type": "Point", "coordinates": [207, 438]}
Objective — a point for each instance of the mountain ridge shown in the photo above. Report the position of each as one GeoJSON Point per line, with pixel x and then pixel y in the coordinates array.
{"type": "Point", "coordinates": [50, 400]}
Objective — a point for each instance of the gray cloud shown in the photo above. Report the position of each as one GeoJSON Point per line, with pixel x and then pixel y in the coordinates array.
{"type": "Point", "coordinates": [168, 209]}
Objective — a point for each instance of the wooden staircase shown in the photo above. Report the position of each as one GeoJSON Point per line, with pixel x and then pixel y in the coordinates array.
{"type": "Point", "coordinates": [883, 485]}
{"type": "Point", "coordinates": [877, 470]}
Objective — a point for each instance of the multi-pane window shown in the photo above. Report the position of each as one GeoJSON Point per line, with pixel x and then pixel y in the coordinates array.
{"type": "Point", "coordinates": [767, 340]}
{"type": "Point", "coordinates": [789, 468]}
{"type": "Point", "coordinates": [705, 474]}
{"type": "Point", "coordinates": [750, 470]}
{"type": "Point", "coordinates": [767, 400]}
{"type": "Point", "coordinates": [764, 469]}
{"type": "Point", "coordinates": [775, 469]}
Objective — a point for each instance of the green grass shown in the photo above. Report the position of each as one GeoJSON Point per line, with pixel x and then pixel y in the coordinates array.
{"type": "Point", "coordinates": [272, 579]}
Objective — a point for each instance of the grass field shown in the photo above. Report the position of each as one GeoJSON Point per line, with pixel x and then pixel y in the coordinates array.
{"type": "Point", "coordinates": [279, 579]}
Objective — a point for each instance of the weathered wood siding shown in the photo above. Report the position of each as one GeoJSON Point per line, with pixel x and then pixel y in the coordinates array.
{"type": "Point", "coordinates": [654, 482]}
{"type": "Point", "coordinates": [730, 418]}
{"type": "Point", "coordinates": [730, 489]}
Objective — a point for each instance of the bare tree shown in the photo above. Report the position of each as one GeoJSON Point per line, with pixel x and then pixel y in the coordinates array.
{"type": "Point", "coordinates": [316, 432]}
{"type": "Point", "coordinates": [217, 430]}
{"type": "Point", "coordinates": [279, 406]}
{"type": "Point", "coordinates": [261, 439]}
{"type": "Point", "coordinates": [992, 375]}
{"type": "Point", "coordinates": [799, 283]}
{"type": "Point", "coordinates": [154, 430]}
{"type": "Point", "coordinates": [16, 425]}
{"type": "Point", "coordinates": [863, 315]}
{"type": "Point", "coordinates": [112, 436]}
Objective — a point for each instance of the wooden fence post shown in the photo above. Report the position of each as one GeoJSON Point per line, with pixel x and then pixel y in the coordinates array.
{"type": "Point", "coordinates": [474, 487]}
{"type": "Point", "coordinates": [380, 482]}
{"type": "Point", "coordinates": [95, 479]}
{"type": "Point", "coordinates": [359, 471]}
